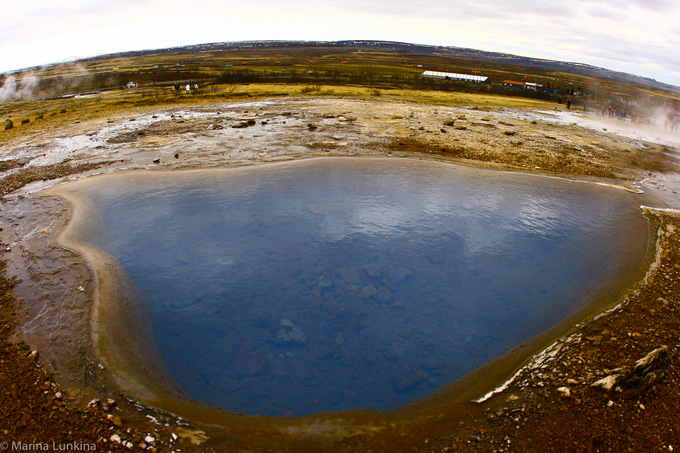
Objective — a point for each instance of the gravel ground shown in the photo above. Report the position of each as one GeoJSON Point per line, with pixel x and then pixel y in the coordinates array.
{"type": "Point", "coordinates": [612, 384]}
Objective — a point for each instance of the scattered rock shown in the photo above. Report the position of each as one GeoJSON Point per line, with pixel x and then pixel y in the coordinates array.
{"type": "Point", "coordinates": [645, 373]}
{"type": "Point", "coordinates": [108, 404]}
{"type": "Point", "coordinates": [564, 392]}
{"type": "Point", "coordinates": [116, 420]}
{"type": "Point", "coordinates": [240, 125]}
{"type": "Point", "coordinates": [8, 124]}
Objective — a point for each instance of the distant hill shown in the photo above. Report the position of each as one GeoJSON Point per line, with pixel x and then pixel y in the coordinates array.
{"type": "Point", "coordinates": [440, 51]}
{"type": "Point", "coordinates": [398, 56]}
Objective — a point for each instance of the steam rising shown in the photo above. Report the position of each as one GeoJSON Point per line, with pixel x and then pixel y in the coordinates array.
{"type": "Point", "coordinates": [41, 83]}
{"type": "Point", "coordinates": [23, 90]}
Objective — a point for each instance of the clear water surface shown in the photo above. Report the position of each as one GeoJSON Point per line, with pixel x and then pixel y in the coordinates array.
{"type": "Point", "coordinates": [339, 284]}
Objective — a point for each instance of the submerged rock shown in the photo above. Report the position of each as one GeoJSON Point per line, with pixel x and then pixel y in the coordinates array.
{"type": "Point", "coordinates": [409, 377]}
{"type": "Point", "coordinates": [249, 363]}
{"type": "Point", "coordinates": [373, 270]}
{"type": "Point", "coordinates": [368, 291]}
{"type": "Point", "coordinates": [248, 360]}
{"type": "Point", "coordinates": [325, 280]}
{"type": "Point", "coordinates": [398, 274]}
{"type": "Point", "coordinates": [289, 333]}
{"type": "Point", "coordinates": [384, 295]}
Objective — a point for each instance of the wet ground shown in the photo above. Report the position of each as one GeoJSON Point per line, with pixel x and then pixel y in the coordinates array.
{"type": "Point", "coordinates": [557, 386]}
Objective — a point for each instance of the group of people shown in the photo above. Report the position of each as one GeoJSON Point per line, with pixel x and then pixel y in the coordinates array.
{"type": "Point", "coordinates": [568, 102]}
{"type": "Point", "coordinates": [188, 88]}
{"type": "Point", "coordinates": [611, 112]}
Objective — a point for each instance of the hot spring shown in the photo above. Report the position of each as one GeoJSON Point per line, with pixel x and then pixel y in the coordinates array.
{"type": "Point", "coordinates": [335, 284]}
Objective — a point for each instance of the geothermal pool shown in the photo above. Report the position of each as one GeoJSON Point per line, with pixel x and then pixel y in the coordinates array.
{"type": "Point", "coordinates": [336, 284]}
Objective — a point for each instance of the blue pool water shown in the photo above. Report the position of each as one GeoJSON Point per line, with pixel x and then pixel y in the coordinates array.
{"type": "Point", "coordinates": [339, 284]}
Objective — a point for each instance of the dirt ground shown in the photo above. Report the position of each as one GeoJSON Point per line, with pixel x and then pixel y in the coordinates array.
{"type": "Point", "coordinates": [611, 385]}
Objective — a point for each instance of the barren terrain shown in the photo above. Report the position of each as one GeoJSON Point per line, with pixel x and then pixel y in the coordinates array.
{"type": "Point", "coordinates": [588, 391]}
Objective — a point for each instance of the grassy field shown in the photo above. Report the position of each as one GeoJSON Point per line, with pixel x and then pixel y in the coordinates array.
{"type": "Point", "coordinates": [95, 88]}
{"type": "Point", "coordinates": [331, 66]}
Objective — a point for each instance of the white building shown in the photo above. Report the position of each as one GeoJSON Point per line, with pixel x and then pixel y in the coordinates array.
{"type": "Point", "coordinates": [455, 76]}
{"type": "Point", "coordinates": [533, 86]}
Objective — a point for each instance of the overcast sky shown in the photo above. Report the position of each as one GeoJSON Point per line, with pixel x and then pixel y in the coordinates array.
{"type": "Point", "coordinates": [636, 36]}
